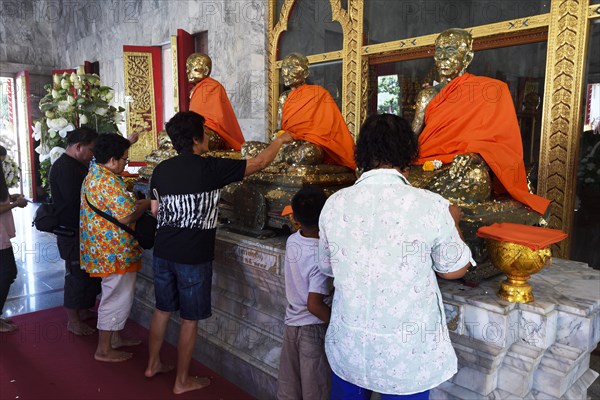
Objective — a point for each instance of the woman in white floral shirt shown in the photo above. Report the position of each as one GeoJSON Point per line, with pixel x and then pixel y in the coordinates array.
{"type": "Point", "coordinates": [383, 241]}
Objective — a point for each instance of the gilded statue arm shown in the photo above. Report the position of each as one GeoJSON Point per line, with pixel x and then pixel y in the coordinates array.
{"type": "Point", "coordinates": [423, 99]}
{"type": "Point", "coordinates": [280, 103]}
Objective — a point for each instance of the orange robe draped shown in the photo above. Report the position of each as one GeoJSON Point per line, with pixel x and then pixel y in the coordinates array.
{"type": "Point", "coordinates": [210, 100]}
{"type": "Point", "coordinates": [475, 114]}
{"type": "Point", "coordinates": [310, 113]}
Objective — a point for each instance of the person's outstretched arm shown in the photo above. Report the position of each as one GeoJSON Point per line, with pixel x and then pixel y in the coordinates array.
{"type": "Point", "coordinates": [265, 157]}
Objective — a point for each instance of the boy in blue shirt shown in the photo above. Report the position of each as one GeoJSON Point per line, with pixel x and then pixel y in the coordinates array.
{"type": "Point", "coordinates": [304, 372]}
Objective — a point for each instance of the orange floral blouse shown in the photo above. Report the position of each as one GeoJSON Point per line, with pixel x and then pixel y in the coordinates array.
{"type": "Point", "coordinates": [104, 247]}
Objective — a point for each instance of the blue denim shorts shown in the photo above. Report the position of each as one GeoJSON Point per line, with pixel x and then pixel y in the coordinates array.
{"type": "Point", "coordinates": [183, 287]}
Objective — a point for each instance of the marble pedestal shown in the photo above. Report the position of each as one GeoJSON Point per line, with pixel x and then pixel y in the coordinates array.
{"type": "Point", "coordinates": [511, 351]}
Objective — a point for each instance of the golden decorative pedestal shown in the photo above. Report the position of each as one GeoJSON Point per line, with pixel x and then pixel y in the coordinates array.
{"type": "Point", "coordinates": [518, 263]}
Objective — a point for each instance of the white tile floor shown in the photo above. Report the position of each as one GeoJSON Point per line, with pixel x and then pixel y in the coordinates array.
{"type": "Point", "coordinates": [40, 279]}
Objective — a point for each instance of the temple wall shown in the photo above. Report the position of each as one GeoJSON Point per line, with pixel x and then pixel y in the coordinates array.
{"type": "Point", "coordinates": [97, 31]}
{"type": "Point", "coordinates": [26, 36]}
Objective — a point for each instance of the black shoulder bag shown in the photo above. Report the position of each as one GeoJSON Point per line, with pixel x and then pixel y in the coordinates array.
{"type": "Point", "coordinates": [145, 226]}
{"type": "Point", "coordinates": [46, 218]}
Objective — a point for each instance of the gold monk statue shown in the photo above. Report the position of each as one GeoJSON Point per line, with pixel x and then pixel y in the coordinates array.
{"type": "Point", "coordinates": [209, 99]}
{"type": "Point", "coordinates": [469, 122]}
{"type": "Point", "coordinates": [311, 116]}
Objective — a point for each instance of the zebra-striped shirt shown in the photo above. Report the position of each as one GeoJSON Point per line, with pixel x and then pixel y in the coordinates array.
{"type": "Point", "coordinates": [188, 188]}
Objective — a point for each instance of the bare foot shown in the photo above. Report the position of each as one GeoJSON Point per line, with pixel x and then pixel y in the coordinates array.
{"type": "Point", "coordinates": [158, 369]}
{"type": "Point", "coordinates": [87, 314]}
{"type": "Point", "coordinates": [7, 326]}
{"type": "Point", "coordinates": [113, 356]}
{"type": "Point", "coordinates": [193, 383]}
{"type": "Point", "coordinates": [79, 328]}
{"type": "Point", "coordinates": [119, 341]}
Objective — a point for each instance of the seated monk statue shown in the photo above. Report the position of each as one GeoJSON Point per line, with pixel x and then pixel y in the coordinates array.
{"type": "Point", "coordinates": [209, 99]}
{"type": "Point", "coordinates": [310, 115]}
{"type": "Point", "coordinates": [469, 122]}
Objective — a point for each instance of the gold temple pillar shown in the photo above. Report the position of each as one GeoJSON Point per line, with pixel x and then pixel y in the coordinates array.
{"type": "Point", "coordinates": [562, 113]}
{"type": "Point", "coordinates": [354, 81]}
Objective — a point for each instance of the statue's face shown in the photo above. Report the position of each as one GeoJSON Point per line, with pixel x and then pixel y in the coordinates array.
{"type": "Point", "coordinates": [293, 72]}
{"type": "Point", "coordinates": [452, 56]}
{"type": "Point", "coordinates": [198, 68]}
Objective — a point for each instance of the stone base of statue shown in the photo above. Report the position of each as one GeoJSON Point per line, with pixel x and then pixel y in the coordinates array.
{"type": "Point", "coordinates": [466, 182]}
{"type": "Point", "coordinates": [255, 204]}
{"type": "Point", "coordinates": [539, 350]}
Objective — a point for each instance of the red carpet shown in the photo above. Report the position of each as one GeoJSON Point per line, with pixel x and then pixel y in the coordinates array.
{"type": "Point", "coordinates": [42, 360]}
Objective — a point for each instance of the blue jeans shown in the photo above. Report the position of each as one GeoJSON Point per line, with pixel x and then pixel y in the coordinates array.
{"type": "Point", "coordinates": [343, 390]}
{"type": "Point", "coordinates": [184, 287]}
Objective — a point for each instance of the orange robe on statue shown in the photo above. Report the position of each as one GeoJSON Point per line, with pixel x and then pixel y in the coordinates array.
{"type": "Point", "coordinates": [475, 114]}
{"type": "Point", "coordinates": [310, 113]}
{"type": "Point", "coordinates": [210, 100]}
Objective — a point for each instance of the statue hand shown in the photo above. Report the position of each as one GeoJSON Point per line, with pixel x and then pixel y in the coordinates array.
{"type": "Point", "coordinates": [285, 137]}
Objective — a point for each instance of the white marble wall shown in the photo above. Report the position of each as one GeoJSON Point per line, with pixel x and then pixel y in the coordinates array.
{"type": "Point", "coordinates": [97, 30]}
{"type": "Point", "coordinates": [26, 36]}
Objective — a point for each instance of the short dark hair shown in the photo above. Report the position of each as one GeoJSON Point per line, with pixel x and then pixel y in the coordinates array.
{"type": "Point", "coordinates": [83, 136]}
{"type": "Point", "coordinates": [183, 128]}
{"type": "Point", "coordinates": [110, 145]}
{"type": "Point", "coordinates": [307, 204]}
{"type": "Point", "coordinates": [386, 139]}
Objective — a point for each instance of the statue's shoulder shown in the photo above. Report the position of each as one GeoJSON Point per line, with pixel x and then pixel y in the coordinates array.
{"type": "Point", "coordinates": [283, 96]}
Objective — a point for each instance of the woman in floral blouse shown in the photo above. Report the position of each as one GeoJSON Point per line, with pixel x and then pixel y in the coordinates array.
{"type": "Point", "coordinates": [106, 250]}
{"type": "Point", "coordinates": [384, 241]}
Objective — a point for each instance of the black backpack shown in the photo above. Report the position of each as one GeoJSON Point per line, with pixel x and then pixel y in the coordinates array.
{"type": "Point", "coordinates": [46, 218]}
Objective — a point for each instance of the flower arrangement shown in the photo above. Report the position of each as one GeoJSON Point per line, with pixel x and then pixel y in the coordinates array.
{"type": "Point", "coordinates": [72, 101]}
{"type": "Point", "coordinates": [11, 172]}
{"type": "Point", "coordinates": [432, 165]}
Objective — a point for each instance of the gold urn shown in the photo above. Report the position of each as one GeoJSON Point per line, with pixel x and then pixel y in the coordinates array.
{"type": "Point", "coordinates": [518, 262]}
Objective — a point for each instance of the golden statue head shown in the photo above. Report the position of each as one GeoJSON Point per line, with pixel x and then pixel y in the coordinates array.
{"type": "Point", "coordinates": [453, 53]}
{"type": "Point", "coordinates": [198, 67]}
{"type": "Point", "coordinates": [294, 70]}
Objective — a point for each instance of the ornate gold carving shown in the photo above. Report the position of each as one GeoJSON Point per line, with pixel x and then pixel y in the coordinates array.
{"type": "Point", "coordinates": [521, 24]}
{"type": "Point", "coordinates": [561, 120]}
{"type": "Point", "coordinates": [332, 55]}
{"type": "Point", "coordinates": [352, 79]}
{"type": "Point", "coordinates": [364, 96]}
{"type": "Point", "coordinates": [275, 32]}
{"type": "Point", "coordinates": [141, 113]}
{"type": "Point", "coordinates": [175, 73]}
{"type": "Point", "coordinates": [594, 11]}
{"type": "Point", "coordinates": [518, 263]}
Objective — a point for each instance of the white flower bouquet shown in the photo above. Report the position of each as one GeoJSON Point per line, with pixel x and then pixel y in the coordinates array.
{"type": "Point", "coordinates": [11, 172]}
{"type": "Point", "coordinates": [72, 100]}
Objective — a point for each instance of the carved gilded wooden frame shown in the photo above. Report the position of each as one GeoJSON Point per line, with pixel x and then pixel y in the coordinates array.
{"type": "Point", "coordinates": [566, 26]}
